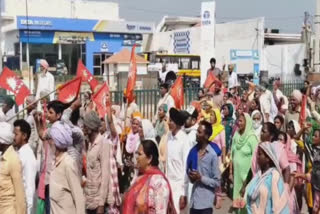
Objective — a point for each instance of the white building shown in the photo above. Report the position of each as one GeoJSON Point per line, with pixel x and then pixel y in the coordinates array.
{"type": "Point", "coordinates": [62, 31]}
{"type": "Point", "coordinates": [243, 43]}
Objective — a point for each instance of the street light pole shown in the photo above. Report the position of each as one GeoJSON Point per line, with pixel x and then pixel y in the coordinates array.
{"type": "Point", "coordinates": [316, 60]}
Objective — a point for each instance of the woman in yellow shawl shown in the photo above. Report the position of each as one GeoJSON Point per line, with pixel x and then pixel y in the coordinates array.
{"type": "Point", "coordinates": [218, 137]}
{"type": "Point", "coordinates": [218, 133]}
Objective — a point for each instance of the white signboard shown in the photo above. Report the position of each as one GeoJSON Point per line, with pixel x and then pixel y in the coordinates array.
{"type": "Point", "coordinates": [207, 36]}
{"type": "Point", "coordinates": [181, 42]}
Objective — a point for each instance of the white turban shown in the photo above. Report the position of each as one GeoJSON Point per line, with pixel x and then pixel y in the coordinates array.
{"type": "Point", "coordinates": [61, 134]}
{"type": "Point", "coordinates": [6, 133]}
{"type": "Point", "coordinates": [297, 94]}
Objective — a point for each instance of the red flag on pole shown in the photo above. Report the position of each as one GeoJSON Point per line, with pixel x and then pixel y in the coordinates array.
{"type": "Point", "coordinates": [132, 76]}
{"type": "Point", "coordinates": [177, 92]}
{"type": "Point", "coordinates": [211, 79]}
{"type": "Point", "coordinates": [101, 99]}
{"type": "Point", "coordinates": [11, 82]}
{"type": "Point", "coordinates": [303, 112]}
{"type": "Point", "coordinates": [70, 90]}
{"type": "Point", "coordinates": [86, 76]}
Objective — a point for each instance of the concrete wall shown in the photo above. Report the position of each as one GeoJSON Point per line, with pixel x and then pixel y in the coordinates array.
{"type": "Point", "coordinates": [8, 42]}
{"type": "Point", "coordinates": [279, 61]}
{"type": "Point", "coordinates": [82, 9]}
{"type": "Point", "coordinates": [239, 35]}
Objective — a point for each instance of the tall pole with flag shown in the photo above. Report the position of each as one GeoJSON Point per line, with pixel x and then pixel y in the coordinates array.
{"type": "Point", "coordinates": [132, 75]}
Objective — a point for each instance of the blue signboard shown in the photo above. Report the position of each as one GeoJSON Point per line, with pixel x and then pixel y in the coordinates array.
{"type": "Point", "coordinates": [62, 24]}
{"type": "Point", "coordinates": [38, 37]}
{"type": "Point", "coordinates": [244, 54]}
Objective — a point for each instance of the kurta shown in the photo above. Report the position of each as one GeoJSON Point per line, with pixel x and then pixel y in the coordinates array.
{"type": "Point", "coordinates": [178, 148]}
{"type": "Point", "coordinates": [66, 194]}
{"type": "Point", "coordinates": [12, 196]}
{"type": "Point", "coordinates": [242, 150]}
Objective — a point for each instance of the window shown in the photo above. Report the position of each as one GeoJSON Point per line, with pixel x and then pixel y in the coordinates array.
{"type": "Point", "coordinates": [97, 60]}
{"type": "Point", "coordinates": [184, 63]}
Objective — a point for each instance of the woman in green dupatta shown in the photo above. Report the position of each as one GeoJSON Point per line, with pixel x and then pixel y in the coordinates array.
{"type": "Point", "coordinates": [243, 146]}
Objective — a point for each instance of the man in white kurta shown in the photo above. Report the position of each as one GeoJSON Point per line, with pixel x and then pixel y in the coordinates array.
{"type": "Point", "coordinates": [22, 131]}
{"type": "Point", "coordinates": [164, 99]}
{"type": "Point", "coordinates": [178, 147]}
{"type": "Point", "coordinates": [45, 80]}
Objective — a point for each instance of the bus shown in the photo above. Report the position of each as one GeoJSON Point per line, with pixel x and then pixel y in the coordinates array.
{"type": "Point", "coordinates": [169, 66]}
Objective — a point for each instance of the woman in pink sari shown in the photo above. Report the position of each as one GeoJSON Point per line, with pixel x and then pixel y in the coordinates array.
{"type": "Point", "coordinates": [151, 193]}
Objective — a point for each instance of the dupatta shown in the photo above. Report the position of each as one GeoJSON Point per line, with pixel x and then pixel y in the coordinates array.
{"type": "Point", "coordinates": [217, 127]}
{"type": "Point", "coordinates": [140, 189]}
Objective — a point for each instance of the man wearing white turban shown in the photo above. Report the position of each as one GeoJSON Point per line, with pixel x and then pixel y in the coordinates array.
{"type": "Point", "coordinates": [45, 80]}
{"type": "Point", "coordinates": [293, 112]}
{"type": "Point", "coordinates": [12, 195]}
{"type": "Point", "coordinates": [66, 194]}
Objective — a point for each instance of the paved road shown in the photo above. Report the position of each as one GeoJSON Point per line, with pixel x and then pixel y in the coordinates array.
{"type": "Point", "coordinates": [227, 203]}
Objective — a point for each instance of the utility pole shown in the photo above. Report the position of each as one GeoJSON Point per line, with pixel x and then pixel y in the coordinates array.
{"type": "Point", "coordinates": [306, 38]}
{"type": "Point", "coordinates": [1, 35]}
{"type": "Point", "coordinates": [316, 60]}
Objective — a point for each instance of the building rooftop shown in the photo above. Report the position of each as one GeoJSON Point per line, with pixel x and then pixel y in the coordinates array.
{"type": "Point", "coordinates": [123, 57]}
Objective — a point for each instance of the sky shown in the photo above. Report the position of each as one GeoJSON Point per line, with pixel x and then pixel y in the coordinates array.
{"type": "Point", "coordinates": [285, 15]}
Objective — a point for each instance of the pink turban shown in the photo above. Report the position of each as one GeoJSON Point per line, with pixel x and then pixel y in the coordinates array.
{"type": "Point", "coordinates": [61, 134]}
{"type": "Point", "coordinates": [44, 63]}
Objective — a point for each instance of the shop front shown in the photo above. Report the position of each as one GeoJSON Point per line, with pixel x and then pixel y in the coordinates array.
{"type": "Point", "coordinates": [64, 41]}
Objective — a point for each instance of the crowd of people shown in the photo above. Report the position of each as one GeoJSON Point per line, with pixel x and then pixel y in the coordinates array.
{"type": "Point", "coordinates": [260, 148]}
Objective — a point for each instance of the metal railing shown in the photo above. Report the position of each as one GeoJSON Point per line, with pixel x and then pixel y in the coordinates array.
{"type": "Point", "coordinates": [147, 99]}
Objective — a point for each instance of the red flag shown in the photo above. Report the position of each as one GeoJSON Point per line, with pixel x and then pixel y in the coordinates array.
{"type": "Point", "coordinates": [70, 90]}
{"type": "Point", "coordinates": [211, 78]}
{"type": "Point", "coordinates": [132, 75]}
{"type": "Point", "coordinates": [101, 99]}
{"type": "Point", "coordinates": [10, 82]}
{"type": "Point", "coordinates": [86, 76]}
{"type": "Point", "coordinates": [303, 112]}
{"type": "Point", "coordinates": [177, 92]}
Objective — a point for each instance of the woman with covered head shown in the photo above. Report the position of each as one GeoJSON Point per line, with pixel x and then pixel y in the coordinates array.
{"type": "Point", "coordinates": [161, 125]}
{"type": "Point", "coordinates": [229, 123]}
{"type": "Point", "coordinates": [131, 145]}
{"type": "Point", "coordinates": [266, 192]}
{"type": "Point", "coordinates": [257, 122]}
{"type": "Point", "coordinates": [66, 194]}
{"type": "Point", "coordinates": [243, 146]}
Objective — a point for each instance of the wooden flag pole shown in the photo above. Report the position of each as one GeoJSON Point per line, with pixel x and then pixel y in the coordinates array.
{"type": "Point", "coordinates": [34, 102]}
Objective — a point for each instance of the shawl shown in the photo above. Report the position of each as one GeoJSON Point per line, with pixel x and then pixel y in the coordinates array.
{"type": "Point", "coordinates": [141, 187]}
{"type": "Point", "coordinates": [254, 189]}
{"type": "Point", "coordinates": [217, 127]}
{"type": "Point", "coordinates": [132, 143]}
{"type": "Point", "coordinates": [228, 123]}
{"type": "Point", "coordinates": [292, 157]}
{"type": "Point", "coordinates": [248, 134]}
{"type": "Point", "coordinates": [192, 160]}
{"type": "Point", "coordinates": [205, 115]}
{"type": "Point", "coordinates": [259, 129]}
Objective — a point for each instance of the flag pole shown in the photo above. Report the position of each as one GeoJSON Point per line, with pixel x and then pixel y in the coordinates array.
{"type": "Point", "coordinates": [34, 102]}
